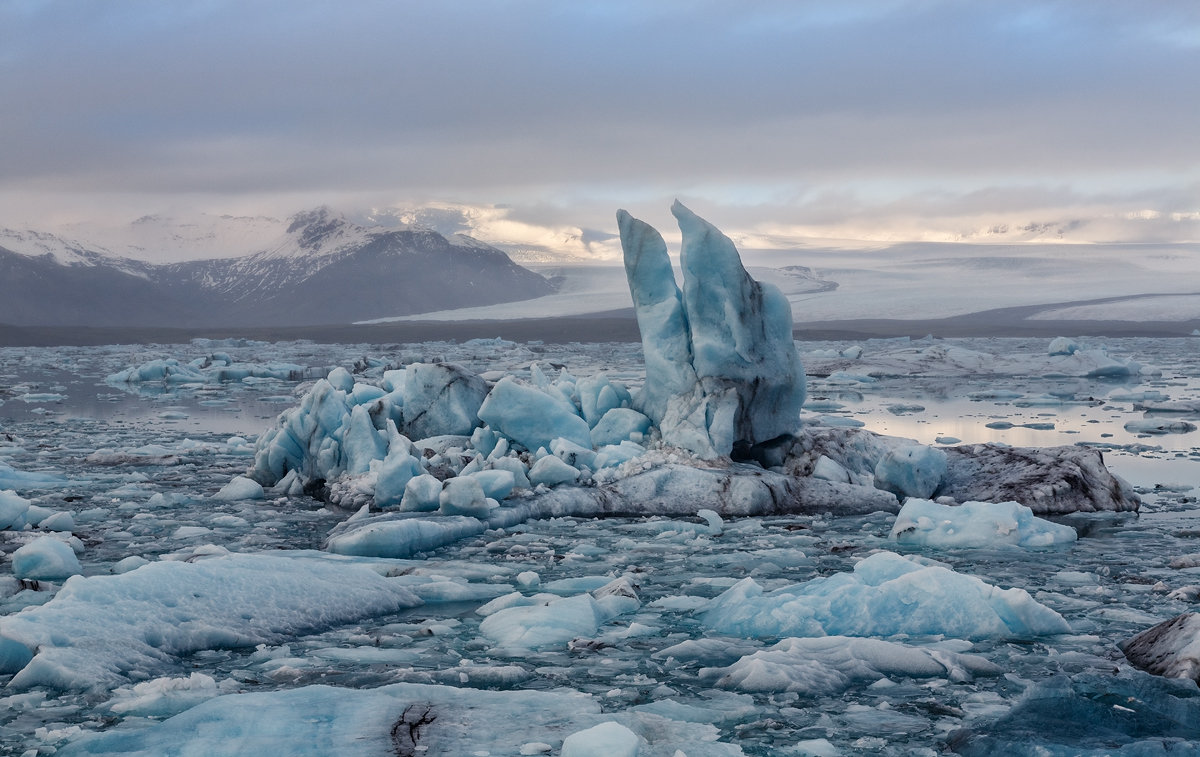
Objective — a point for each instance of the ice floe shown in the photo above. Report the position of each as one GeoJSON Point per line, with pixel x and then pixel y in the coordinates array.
{"type": "Point", "coordinates": [885, 595]}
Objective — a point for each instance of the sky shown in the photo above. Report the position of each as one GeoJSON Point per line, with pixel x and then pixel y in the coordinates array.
{"type": "Point", "coordinates": [784, 122]}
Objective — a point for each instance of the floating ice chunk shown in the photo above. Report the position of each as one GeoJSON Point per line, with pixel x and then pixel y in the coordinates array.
{"type": "Point", "coordinates": [45, 559]}
{"type": "Point", "coordinates": [846, 377]}
{"type": "Point", "coordinates": [421, 494]}
{"type": "Point", "coordinates": [529, 579]}
{"type": "Point", "coordinates": [716, 525]}
{"type": "Point", "coordinates": [618, 425]}
{"type": "Point", "coordinates": [1159, 426]}
{"type": "Point", "coordinates": [618, 597]}
{"type": "Point", "coordinates": [1163, 406]}
{"type": "Point", "coordinates": [405, 718]}
{"type": "Point", "coordinates": [462, 495]}
{"type": "Point", "coordinates": [552, 471]}
{"type": "Point", "coordinates": [12, 509]}
{"type": "Point", "coordinates": [524, 625]}
{"type": "Point", "coordinates": [885, 595]}
{"type": "Point", "coordinates": [815, 748]}
{"type": "Point", "coordinates": [97, 629]}
{"type": "Point", "coordinates": [126, 564]}
{"type": "Point", "coordinates": [609, 739]}
{"type": "Point", "coordinates": [911, 471]}
{"type": "Point", "coordinates": [441, 398]}
{"type": "Point", "coordinates": [240, 488]}
{"type": "Point", "coordinates": [538, 626]}
{"type": "Point", "coordinates": [829, 664]}
{"type": "Point", "coordinates": [163, 697]}
{"type": "Point", "coordinates": [11, 478]}
{"type": "Point", "coordinates": [58, 521]}
{"type": "Point", "coordinates": [401, 536]}
{"type": "Point", "coordinates": [532, 418]}
{"type": "Point", "coordinates": [976, 524]}
{"type": "Point", "coordinates": [1171, 648]}
{"type": "Point", "coordinates": [169, 371]}
{"type": "Point", "coordinates": [1061, 345]}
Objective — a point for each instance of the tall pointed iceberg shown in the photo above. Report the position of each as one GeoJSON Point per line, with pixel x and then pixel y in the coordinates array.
{"type": "Point", "coordinates": [722, 372]}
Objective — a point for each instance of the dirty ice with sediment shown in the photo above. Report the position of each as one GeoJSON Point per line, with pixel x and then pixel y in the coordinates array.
{"type": "Point", "coordinates": [716, 542]}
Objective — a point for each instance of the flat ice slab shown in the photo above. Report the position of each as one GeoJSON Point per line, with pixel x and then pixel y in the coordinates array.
{"type": "Point", "coordinates": [403, 718]}
{"type": "Point", "coordinates": [99, 629]}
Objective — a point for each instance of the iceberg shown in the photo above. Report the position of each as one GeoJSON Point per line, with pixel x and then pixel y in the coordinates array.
{"type": "Point", "coordinates": [722, 371]}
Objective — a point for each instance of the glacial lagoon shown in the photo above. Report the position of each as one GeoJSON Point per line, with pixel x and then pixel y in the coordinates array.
{"type": "Point", "coordinates": [139, 467]}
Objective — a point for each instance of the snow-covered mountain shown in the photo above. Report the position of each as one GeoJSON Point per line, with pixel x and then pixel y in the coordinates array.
{"type": "Point", "coordinates": [321, 268]}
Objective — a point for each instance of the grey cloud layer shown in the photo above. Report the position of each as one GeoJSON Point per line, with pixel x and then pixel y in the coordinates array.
{"type": "Point", "coordinates": [522, 98]}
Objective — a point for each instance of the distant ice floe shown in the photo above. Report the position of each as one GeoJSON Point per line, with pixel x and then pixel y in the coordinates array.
{"type": "Point", "coordinates": [214, 368]}
{"type": "Point", "coordinates": [1064, 357]}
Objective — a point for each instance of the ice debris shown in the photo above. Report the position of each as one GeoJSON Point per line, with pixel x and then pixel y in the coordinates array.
{"type": "Point", "coordinates": [976, 524]}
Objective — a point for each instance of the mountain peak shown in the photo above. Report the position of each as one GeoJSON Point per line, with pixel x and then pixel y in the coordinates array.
{"type": "Point", "coordinates": [315, 227]}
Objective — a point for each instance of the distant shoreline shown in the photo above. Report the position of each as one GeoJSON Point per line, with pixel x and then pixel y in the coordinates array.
{"type": "Point", "coordinates": [615, 326]}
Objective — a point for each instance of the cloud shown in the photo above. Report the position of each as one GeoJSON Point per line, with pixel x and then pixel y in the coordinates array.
{"type": "Point", "coordinates": [576, 105]}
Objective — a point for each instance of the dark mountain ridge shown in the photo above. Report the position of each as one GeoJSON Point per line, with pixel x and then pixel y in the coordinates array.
{"type": "Point", "coordinates": [325, 270]}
